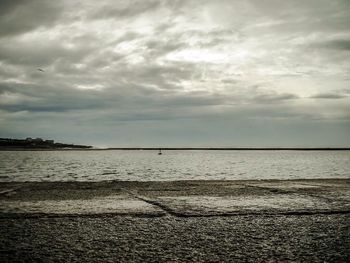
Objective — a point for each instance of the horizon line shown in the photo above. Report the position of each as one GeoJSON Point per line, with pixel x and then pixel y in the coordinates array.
{"type": "Point", "coordinates": [222, 148]}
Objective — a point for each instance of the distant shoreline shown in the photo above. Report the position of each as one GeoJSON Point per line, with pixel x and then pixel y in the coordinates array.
{"type": "Point", "coordinates": [175, 149]}
{"type": "Point", "coordinates": [37, 143]}
{"type": "Point", "coordinates": [236, 149]}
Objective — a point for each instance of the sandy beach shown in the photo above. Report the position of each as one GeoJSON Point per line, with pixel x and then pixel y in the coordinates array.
{"type": "Point", "coordinates": [184, 221]}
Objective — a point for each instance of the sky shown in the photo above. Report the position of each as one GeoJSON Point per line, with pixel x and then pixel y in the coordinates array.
{"type": "Point", "coordinates": [176, 73]}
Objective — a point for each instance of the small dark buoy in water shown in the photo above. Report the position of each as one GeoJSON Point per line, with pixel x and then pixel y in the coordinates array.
{"type": "Point", "coordinates": [160, 152]}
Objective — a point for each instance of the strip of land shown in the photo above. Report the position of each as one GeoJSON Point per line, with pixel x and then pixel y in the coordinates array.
{"type": "Point", "coordinates": [294, 220]}
{"type": "Point", "coordinates": [7, 144]}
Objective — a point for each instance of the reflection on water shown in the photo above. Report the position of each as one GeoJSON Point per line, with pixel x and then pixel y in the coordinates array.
{"type": "Point", "coordinates": [172, 165]}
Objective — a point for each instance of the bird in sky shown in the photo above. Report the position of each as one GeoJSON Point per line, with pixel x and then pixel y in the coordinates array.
{"type": "Point", "coordinates": [40, 69]}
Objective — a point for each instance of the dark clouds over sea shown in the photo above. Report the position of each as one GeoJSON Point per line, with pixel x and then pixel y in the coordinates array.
{"type": "Point", "coordinates": [176, 73]}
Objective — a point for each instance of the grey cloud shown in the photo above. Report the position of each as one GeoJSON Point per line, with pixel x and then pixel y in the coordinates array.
{"type": "Point", "coordinates": [346, 91]}
{"type": "Point", "coordinates": [18, 16]}
{"type": "Point", "coordinates": [128, 36]}
{"type": "Point", "coordinates": [51, 99]}
{"type": "Point", "coordinates": [328, 96]}
{"type": "Point", "coordinates": [8, 5]}
{"type": "Point", "coordinates": [336, 44]}
{"type": "Point", "coordinates": [126, 66]}
{"type": "Point", "coordinates": [161, 47]}
{"type": "Point", "coordinates": [125, 9]}
{"type": "Point", "coordinates": [47, 99]}
{"type": "Point", "coordinates": [229, 81]}
{"type": "Point", "coordinates": [43, 52]}
{"type": "Point", "coordinates": [127, 100]}
{"type": "Point", "coordinates": [268, 98]}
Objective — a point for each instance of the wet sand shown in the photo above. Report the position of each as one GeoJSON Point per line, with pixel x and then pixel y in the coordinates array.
{"type": "Point", "coordinates": [183, 221]}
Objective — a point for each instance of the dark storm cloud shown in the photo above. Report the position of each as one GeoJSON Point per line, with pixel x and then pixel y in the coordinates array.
{"type": "Point", "coordinates": [20, 16]}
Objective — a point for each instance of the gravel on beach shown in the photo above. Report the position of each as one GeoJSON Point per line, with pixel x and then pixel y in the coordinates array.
{"type": "Point", "coordinates": [309, 238]}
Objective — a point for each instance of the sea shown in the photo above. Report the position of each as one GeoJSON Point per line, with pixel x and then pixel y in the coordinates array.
{"type": "Point", "coordinates": [172, 165]}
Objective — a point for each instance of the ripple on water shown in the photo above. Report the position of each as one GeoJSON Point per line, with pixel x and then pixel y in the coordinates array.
{"type": "Point", "coordinates": [174, 165]}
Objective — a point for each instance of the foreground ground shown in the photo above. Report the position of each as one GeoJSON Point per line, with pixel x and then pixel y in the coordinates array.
{"type": "Point", "coordinates": [212, 221]}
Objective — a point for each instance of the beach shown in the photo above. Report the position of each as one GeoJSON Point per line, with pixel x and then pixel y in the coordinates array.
{"type": "Point", "coordinates": [186, 221]}
{"type": "Point", "coordinates": [174, 131]}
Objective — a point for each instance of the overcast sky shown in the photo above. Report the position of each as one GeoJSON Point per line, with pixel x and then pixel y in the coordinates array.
{"type": "Point", "coordinates": [176, 72]}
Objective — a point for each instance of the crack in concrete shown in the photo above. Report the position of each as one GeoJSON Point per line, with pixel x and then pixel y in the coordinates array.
{"type": "Point", "coordinates": [165, 209]}
{"type": "Point", "coordinates": [155, 203]}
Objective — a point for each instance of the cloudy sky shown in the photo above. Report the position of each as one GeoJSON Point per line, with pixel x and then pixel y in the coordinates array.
{"type": "Point", "coordinates": [176, 72]}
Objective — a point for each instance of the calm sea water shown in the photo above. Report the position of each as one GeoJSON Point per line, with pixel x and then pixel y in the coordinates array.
{"type": "Point", "coordinates": [172, 165]}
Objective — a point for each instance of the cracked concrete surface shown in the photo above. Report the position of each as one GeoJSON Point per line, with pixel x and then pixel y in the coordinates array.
{"type": "Point", "coordinates": [120, 204]}
{"type": "Point", "coordinates": [186, 221]}
{"type": "Point", "coordinates": [183, 198]}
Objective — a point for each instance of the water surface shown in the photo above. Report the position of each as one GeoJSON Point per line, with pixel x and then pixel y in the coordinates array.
{"type": "Point", "coordinates": [172, 165]}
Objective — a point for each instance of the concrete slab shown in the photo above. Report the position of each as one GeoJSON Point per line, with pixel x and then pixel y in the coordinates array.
{"type": "Point", "coordinates": [285, 185]}
{"type": "Point", "coordinates": [261, 235]}
{"type": "Point", "coordinates": [177, 198]}
{"type": "Point", "coordinates": [116, 204]}
{"type": "Point", "coordinates": [339, 195]}
{"type": "Point", "coordinates": [273, 203]}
